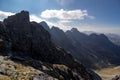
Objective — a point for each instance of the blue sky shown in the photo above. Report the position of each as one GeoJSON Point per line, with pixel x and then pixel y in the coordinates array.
{"type": "Point", "coordinates": [86, 15]}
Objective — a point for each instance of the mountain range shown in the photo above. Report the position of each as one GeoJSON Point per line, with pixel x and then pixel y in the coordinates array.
{"type": "Point", "coordinates": [29, 44]}
{"type": "Point", "coordinates": [94, 50]}
{"type": "Point", "coordinates": [115, 38]}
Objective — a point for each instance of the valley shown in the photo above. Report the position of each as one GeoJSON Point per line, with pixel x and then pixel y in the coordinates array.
{"type": "Point", "coordinates": [108, 73]}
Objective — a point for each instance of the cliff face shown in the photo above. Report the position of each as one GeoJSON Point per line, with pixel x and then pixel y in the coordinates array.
{"type": "Point", "coordinates": [29, 41]}
{"type": "Point", "coordinates": [19, 29]}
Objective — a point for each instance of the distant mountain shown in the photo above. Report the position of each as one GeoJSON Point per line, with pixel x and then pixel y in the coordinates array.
{"type": "Point", "coordinates": [98, 48]}
{"type": "Point", "coordinates": [94, 50]}
{"type": "Point", "coordinates": [30, 44]}
{"type": "Point", "coordinates": [89, 32]}
{"type": "Point", "coordinates": [114, 38]}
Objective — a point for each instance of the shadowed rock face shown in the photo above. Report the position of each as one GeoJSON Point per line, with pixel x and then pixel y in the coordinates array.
{"type": "Point", "coordinates": [29, 39]}
{"type": "Point", "coordinates": [19, 29]}
{"type": "Point", "coordinates": [4, 38]}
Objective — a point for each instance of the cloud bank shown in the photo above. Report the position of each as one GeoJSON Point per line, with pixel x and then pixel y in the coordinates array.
{"type": "Point", "coordinates": [65, 14]}
{"type": "Point", "coordinates": [5, 15]}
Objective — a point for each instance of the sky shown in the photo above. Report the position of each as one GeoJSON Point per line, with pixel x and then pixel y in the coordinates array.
{"type": "Point", "coordinates": [86, 15]}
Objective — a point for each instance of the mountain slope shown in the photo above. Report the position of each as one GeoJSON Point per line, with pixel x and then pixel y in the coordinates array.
{"type": "Point", "coordinates": [30, 44]}
{"type": "Point", "coordinates": [94, 50]}
{"type": "Point", "coordinates": [100, 48]}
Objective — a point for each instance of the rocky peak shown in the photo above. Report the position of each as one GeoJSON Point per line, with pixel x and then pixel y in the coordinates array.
{"type": "Point", "coordinates": [45, 25]}
{"type": "Point", "coordinates": [76, 32]}
{"type": "Point", "coordinates": [74, 29]}
{"type": "Point", "coordinates": [93, 35]}
{"type": "Point", "coordinates": [103, 36]}
{"type": "Point", "coordinates": [99, 37]}
{"type": "Point", "coordinates": [56, 29]}
{"type": "Point", "coordinates": [22, 17]}
{"type": "Point", "coordinates": [18, 23]}
{"type": "Point", "coordinates": [19, 30]}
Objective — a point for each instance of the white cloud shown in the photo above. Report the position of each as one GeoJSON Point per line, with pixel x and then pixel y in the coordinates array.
{"type": "Point", "coordinates": [39, 19]}
{"type": "Point", "coordinates": [35, 18]}
{"type": "Point", "coordinates": [65, 14]}
{"type": "Point", "coordinates": [91, 17]}
{"type": "Point", "coordinates": [4, 15]}
{"type": "Point", "coordinates": [64, 2]}
{"type": "Point", "coordinates": [65, 19]}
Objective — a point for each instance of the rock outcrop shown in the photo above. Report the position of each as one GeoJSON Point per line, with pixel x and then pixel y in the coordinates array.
{"type": "Point", "coordinates": [117, 77]}
{"type": "Point", "coordinates": [19, 28]}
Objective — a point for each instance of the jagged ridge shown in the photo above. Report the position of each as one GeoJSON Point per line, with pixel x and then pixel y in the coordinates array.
{"type": "Point", "coordinates": [94, 50]}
